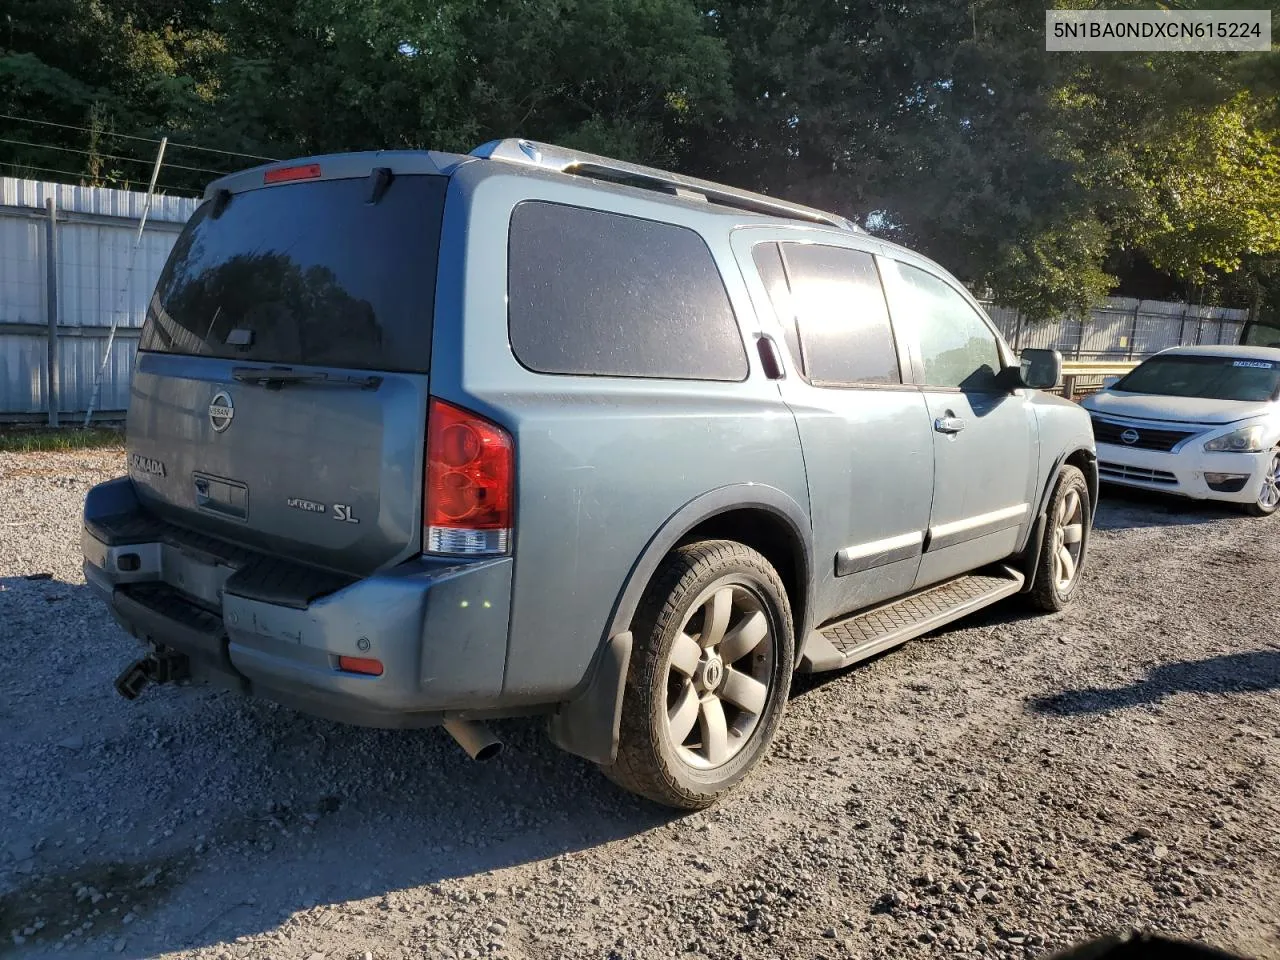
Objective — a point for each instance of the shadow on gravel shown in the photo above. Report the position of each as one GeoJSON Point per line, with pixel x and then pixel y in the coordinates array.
{"type": "Point", "coordinates": [1232, 673]}
{"type": "Point", "coordinates": [191, 817]}
{"type": "Point", "coordinates": [1010, 610]}
{"type": "Point", "coordinates": [1127, 508]}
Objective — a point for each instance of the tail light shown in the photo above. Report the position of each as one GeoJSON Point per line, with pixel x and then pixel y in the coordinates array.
{"type": "Point", "coordinates": [467, 496]}
{"type": "Point", "coordinates": [305, 171]}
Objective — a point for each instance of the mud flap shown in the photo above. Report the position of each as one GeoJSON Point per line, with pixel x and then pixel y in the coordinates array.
{"type": "Point", "coordinates": [588, 724]}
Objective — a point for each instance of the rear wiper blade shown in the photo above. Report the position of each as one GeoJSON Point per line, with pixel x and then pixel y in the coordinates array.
{"type": "Point", "coordinates": [280, 376]}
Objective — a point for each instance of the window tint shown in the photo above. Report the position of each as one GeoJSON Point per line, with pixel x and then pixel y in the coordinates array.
{"type": "Point", "coordinates": [769, 263]}
{"type": "Point", "coordinates": [610, 295]}
{"type": "Point", "coordinates": [841, 313]}
{"type": "Point", "coordinates": [307, 273]}
{"type": "Point", "coordinates": [1261, 335]}
{"type": "Point", "coordinates": [957, 346]}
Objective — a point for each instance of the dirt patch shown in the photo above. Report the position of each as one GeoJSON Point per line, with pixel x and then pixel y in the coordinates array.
{"type": "Point", "coordinates": [93, 901]}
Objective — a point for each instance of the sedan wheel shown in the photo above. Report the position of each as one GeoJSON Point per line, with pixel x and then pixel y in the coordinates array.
{"type": "Point", "coordinates": [1269, 495]}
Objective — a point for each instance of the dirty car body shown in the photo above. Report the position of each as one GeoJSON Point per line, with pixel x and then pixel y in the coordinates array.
{"type": "Point", "coordinates": [412, 434]}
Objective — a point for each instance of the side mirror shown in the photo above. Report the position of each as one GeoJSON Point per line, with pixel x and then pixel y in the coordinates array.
{"type": "Point", "coordinates": [1040, 369]}
{"type": "Point", "coordinates": [1108, 382]}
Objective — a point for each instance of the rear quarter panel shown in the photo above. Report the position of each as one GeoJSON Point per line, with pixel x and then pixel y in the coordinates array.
{"type": "Point", "coordinates": [602, 462]}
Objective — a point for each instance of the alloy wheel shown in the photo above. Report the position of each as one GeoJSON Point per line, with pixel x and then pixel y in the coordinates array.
{"type": "Point", "coordinates": [1269, 495]}
{"type": "Point", "coordinates": [1068, 539]}
{"type": "Point", "coordinates": [718, 676]}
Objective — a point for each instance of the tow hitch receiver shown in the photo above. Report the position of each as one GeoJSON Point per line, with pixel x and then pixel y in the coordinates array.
{"type": "Point", "coordinates": [159, 666]}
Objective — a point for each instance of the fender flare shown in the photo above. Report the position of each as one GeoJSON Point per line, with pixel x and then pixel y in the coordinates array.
{"type": "Point", "coordinates": [587, 724]}
{"type": "Point", "coordinates": [1031, 553]}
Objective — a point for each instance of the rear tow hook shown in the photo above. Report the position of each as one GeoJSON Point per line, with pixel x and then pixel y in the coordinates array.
{"type": "Point", "coordinates": [158, 666]}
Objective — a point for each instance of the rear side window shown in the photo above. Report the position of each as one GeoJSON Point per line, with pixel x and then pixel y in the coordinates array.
{"type": "Point", "coordinates": [1261, 335]}
{"type": "Point", "coordinates": [308, 273]}
{"type": "Point", "coordinates": [842, 315]}
{"type": "Point", "coordinates": [603, 294]}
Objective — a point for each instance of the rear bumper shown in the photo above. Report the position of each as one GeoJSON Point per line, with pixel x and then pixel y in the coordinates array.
{"type": "Point", "coordinates": [439, 628]}
{"type": "Point", "coordinates": [1183, 472]}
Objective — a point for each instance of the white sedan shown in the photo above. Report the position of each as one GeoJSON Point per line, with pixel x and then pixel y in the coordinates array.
{"type": "Point", "coordinates": [1202, 422]}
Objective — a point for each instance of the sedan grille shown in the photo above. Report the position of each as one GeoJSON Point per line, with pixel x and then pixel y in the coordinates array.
{"type": "Point", "coordinates": [1148, 438]}
{"type": "Point", "coordinates": [1119, 471]}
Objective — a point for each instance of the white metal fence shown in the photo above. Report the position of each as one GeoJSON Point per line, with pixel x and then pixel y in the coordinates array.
{"type": "Point", "coordinates": [65, 255]}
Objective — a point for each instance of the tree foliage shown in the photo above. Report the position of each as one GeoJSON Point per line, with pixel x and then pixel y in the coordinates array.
{"type": "Point", "coordinates": [939, 124]}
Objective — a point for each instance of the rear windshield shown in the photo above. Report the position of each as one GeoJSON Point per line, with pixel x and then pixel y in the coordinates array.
{"type": "Point", "coordinates": [308, 273]}
{"type": "Point", "coordinates": [1213, 378]}
{"type": "Point", "coordinates": [1261, 335]}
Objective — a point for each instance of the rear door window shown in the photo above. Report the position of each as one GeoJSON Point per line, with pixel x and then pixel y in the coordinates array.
{"type": "Point", "coordinates": [595, 293]}
{"type": "Point", "coordinates": [841, 314]}
{"type": "Point", "coordinates": [306, 273]}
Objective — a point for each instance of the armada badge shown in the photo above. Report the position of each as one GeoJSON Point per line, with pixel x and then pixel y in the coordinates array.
{"type": "Point", "coordinates": [147, 465]}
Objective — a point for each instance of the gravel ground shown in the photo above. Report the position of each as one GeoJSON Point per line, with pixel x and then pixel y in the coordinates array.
{"type": "Point", "coordinates": [1009, 786]}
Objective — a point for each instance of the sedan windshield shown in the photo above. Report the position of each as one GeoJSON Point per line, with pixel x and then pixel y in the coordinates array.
{"type": "Point", "coordinates": [1213, 378]}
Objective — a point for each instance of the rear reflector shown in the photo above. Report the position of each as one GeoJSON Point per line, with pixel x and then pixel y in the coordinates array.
{"type": "Point", "coordinates": [365, 665]}
{"type": "Point", "coordinates": [467, 496]}
{"type": "Point", "coordinates": [307, 171]}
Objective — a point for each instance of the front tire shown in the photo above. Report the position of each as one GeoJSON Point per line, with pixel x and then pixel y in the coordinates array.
{"type": "Point", "coordinates": [1269, 496]}
{"type": "Point", "coordinates": [1066, 543]}
{"type": "Point", "coordinates": [709, 675]}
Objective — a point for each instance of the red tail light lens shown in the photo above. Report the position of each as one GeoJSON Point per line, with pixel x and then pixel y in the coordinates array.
{"type": "Point", "coordinates": [366, 665]}
{"type": "Point", "coordinates": [306, 171]}
{"type": "Point", "coordinates": [467, 496]}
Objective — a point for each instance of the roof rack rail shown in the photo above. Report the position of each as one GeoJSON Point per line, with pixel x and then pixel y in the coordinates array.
{"type": "Point", "coordinates": [561, 159]}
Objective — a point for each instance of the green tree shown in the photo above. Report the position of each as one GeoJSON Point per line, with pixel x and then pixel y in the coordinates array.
{"type": "Point", "coordinates": [949, 128]}
{"type": "Point", "coordinates": [932, 123]}
{"type": "Point", "coordinates": [323, 75]}
{"type": "Point", "coordinates": [942, 125]}
{"type": "Point", "coordinates": [132, 67]}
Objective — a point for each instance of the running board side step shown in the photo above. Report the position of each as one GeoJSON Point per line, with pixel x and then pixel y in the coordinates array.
{"type": "Point", "coordinates": [891, 624]}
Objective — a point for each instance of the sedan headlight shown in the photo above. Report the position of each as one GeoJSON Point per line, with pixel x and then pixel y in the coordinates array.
{"type": "Point", "coordinates": [1245, 440]}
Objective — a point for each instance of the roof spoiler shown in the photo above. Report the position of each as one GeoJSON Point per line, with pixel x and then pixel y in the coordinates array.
{"type": "Point", "coordinates": [563, 160]}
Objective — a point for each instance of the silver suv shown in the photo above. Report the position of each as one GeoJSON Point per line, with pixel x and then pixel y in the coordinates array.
{"type": "Point", "coordinates": [422, 439]}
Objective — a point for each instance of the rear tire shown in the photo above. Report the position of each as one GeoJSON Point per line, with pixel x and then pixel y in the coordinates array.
{"type": "Point", "coordinates": [1066, 543]}
{"type": "Point", "coordinates": [709, 676]}
{"type": "Point", "coordinates": [1269, 496]}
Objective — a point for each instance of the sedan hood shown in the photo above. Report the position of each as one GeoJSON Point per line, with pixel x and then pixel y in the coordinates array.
{"type": "Point", "coordinates": [1145, 406]}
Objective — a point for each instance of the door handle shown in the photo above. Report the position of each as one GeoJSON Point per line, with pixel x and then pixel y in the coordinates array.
{"type": "Point", "coordinates": [769, 358]}
{"type": "Point", "coordinates": [949, 424]}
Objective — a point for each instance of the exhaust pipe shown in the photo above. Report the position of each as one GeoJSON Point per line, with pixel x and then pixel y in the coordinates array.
{"type": "Point", "coordinates": [475, 738]}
